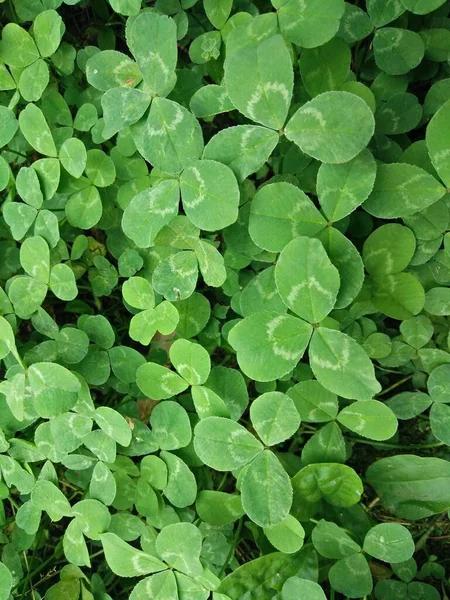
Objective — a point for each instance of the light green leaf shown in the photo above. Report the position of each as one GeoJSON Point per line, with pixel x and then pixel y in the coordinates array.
{"type": "Point", "coordinates": [48, 28]}
{"type": "Point", "coordinates": [438, 142]}
{"type": "Point", "coordinates": [307, 281]}
{"type": "Point", "coordinates": [35, 258]}
{"type": "Point", "coordinates": [33, 81]}
{"type": "Point", "coordinates": [397, 51]}
{"type": "Point", "coordinates": [351, 576]}
{"type": "Point", "coordinates": [74, 545]}
{"type": "Point", "coordinates": [342, 188]}
{"type": "Point", "coordinates": [401, 190]}
{"type": "Point", "coordinates": [152, 39]}
{"type": "Point", "coordinates": [274, 417]}
{"type": "Point", "coordinates": [422, 7]}
{"type": "Point", "coordinates": [102, 486]}
{"type": "Point", "coordinates": [437, 384]}
{"type": "Point", "coordinates": [138, 292]}
{"type": "Point", "coordinates": [243, 148]}
{"type": "Point", "coordinates": [100, 169]}
{"type": "Point", "coordinates": [176, 276]}
{"type": "Point", "coordinates": [149, 211]}
{"type": "Point", "coordinates": [125, 560]}
{"type": "Point", "coordinates": [211, 264]}
{"type": "Point", "coordinates": [382, 12]}
{"type": "Point", "coordinates": [9, 125]}
{"type": "Point", "coordinates": [287, 536]}
{"type": "Point", "coordinates": [158, 382]}
{"type": "Point", "coordinates": [73, 157]}
{"type": "Point", "coordinates": [223, 444]}
{"type": "Point", "coordinates": [210, 100]}
{"type": "Point", "coordinates": [29, 188]}
{"type": "Point", "coordinates": [191, 360]}
{"type": "Point", "coordinates": [62, 282]}
{"type": "Point", "coordinates": [171, 138]}
{"type": "Point", "coordinates": [84, 208]}
{"type": "Point", "coordinates": [181, 489]}
{"type": "Point", "coordinates": [389, 249]}
{"type": "Point", "coordinates": [170, 426]}
{"type": "Point", "coordinates": [122, 106]}
{"type": "Point", "coordinates": [333, 127]}
{"type": "Point", "coordinates": [268, 344]}
{"type": "Point", "coordinates": [314, 403]}
{"type": "Point", "coordinates": [92, 516]}
{"type": "Point", "coordinates": [109, 69]}
{"type": "Point", "coordinates": [341, 365]}
{"type": "Point", "coordinates": [54, 388]}
{"type": "Point", "coordinates": [47, 497]}
{"type": "Point", "coordinates": [36, 130]}
{"type": "Point", "coordinates": [26, 295]}
{"type": "Point", "coordinates": [281, 212]}
{"type": "Point", "coordinates": [437, 301]}
{"type": "Point", "coordinates": [179, 545]}
{"type": "Point", "coordinates": [259, 81]}
{"type": "Point", "coordinates": [331, 541]}
{"type": "Point", "coordinates": [266, 490]}
{"type": "Point", "coordinates": [113, 424]}
{"type": "Point", "coordinates": [210, 194]}
{"type": "Point", "coordinates": [218, 11]}
{"type": "Point", "coordinates": [161, 586]}
{"type": "Point", "coordinates": [17, 48]}
{"type": "Point", "coordinates": [218, 508]}
{"type": "Point", "coordinates": [371, 419]}
{"type": "Point", "coordinates": [389, 542]}
{"type": "Point", "coordinates": [306, 24]}
{"type": "Point", "coordinates": [7, 341]}
{"type": "Point", "coordinates": [399, 296]}
{"type": "Point", "coordinates": [296, 588]}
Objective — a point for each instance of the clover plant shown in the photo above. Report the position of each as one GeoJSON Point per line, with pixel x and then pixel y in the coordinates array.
{"type": "Point", "coordinates": [224, 299]}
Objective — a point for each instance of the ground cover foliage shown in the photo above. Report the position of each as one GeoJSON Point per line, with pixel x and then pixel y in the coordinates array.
{"type": "Point", "coordinates": [224, 299]}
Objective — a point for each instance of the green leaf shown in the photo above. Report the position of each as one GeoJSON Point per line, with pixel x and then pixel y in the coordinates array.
{"type": "Point", "coordinates": [261, 294]}
{"type": "Point", "coordinates": [158, 382]}
{"type": "Point", "coordinates": [152, 39]}
{"type": "Point", "coordinates": [388, 249]}
{"type": "Point", "coordinates": [75, 547]}
{"type": "Point", "coordinates": [73, 157]}
{"type": "Point", "coordinates": [62, 282]}
{"type": "Point", "coordinates": [337, 484]}
{"type": "Point", "coordinates": [422, 7]}
{"type": "Point", "coordinates": [274, 417]}
{"type": "Point", "coordinates": [326, 445]}
{"type": "Point", "coordinates": [296, 588]}
{"type": "Point", "coordinates": [179, 545]}
{"type": "Point", "coordinates": [351, 576]}
{"type": "Point", "coordinates": [270, 572]}
{"type": "Point", "coordinates": [218, 508]}
{"type": "Point", "coordinates": [223, 444]}
{"type": "Point", "coordinates": [266, 490]}
{"type": "Point", "coordinates": [170, 426]}
{"type": "Point", "coordinates": [243, 148]}
{"type": "Point", "coordinates": [171, 139]}
{"type": "Point", "coordinates": [102, 486]}
{"type": "Point", "coordinates": [371, 419]}
{"type": "Point", "coordinates": [161, 586]}
{"type": "Point", "coordinates": [210, 100]}
{"type": "Point", "coordinates": [325, 68]}
{"type": "Point", "coordinates": [210, 195]}
{"type": "Point", "coordinates": [301, 22]}
{"type": "Point", "coordinates": [110, 69]}
{"type": "Point", "coordinates": [26, 295]}
{"type": "Point", "coordinates": [268, 344]}
{"type": "Point", "coordinates": [176, 276]}
{"type": "Point", "coordinates": [437, 301]}
{"type": "Point", "coordinates": [92, 516]}
{"type": "Point", "coordinates": [6, 582]}
{"type": "Point", "coordinates": [17, 48]}
{"type": "Point", "coordinates": [389, 542]}
{"type": "Point", "coordinates": [218, 11]}
{"type": "Point", "coordinates": [259, 81]}
{"type": "Point", "coordinates": [125, 560]}
{"type": "Point", "coordinates": [342, 188]}
{"type": "Point", "coordinates": [46, 496]}
{"type": "Point", "coordinates": [331, 541]}
{"type": "Point", "coordinates": [280, 212]}
{"type": "Point", "coordinates": [100, 169]}
{"type": "Point", "coordinates": [54, 389]}
{"type": "Point", "coordinates": [410, 486]}
{"type": "Point", "coordinates": [84, 208]}
{"type": "Point", "coordinates": [33, 81]}
{"type": "Point", "coordinates": [211, 264]}
{"type": "Point", "coordinates": [113, 424]}
{"type": "Point", "coordinates": [401, 190]}
{"type": "Point", "coordinates": [341, 365]}
{"type": "Point", "coordinates": [149, 211]}
{"type": "Point", "coordinates": [438, 142]}
{"type": "Point", "coordinates": [398, 296]}
{"type": "Point", "coordinates": [437, 384]}
{"type": "Point", "coordinates": [397, 51]}
{"type": "Point", "coordinates": [439, 421]}
{"type": "Point", "coordinates": [181, 489]}
{"type": "Point", "coordinates": [36, 130]}
{"type": "Point", "coordinates": [35, 258]}
{"type": "Point", "coordinates": [382, 12]}
{"type": "Point", "coordinates": [333, 127]}
{"type": "Point", "coordinates": [314, 403]}
{"type": "Point", "coordinates": [122, 107]}
{"type": "Point", "coordinates": [191, 361]}
{"type": "Point", "coordinates": [7, 341]}
{"type": "Point", "coordinates": [287, 536]}
{"type": "Point", "coordinates": [307, 281]}
{"type": "Point", "coordinates": [48, 28]}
